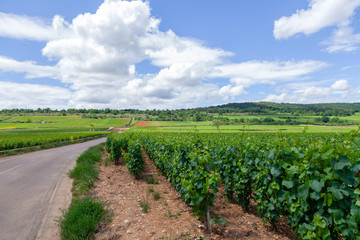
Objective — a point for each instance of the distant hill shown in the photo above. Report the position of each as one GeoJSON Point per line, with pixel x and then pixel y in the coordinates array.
{"type": "Point", "coordinates": [259, 108]}
{"type": "Point", "coordinates": [203, 113]}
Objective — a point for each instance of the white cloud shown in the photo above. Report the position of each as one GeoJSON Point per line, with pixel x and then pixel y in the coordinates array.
{"type": "Point", "coordinates": [321, 14]}
{"type": "Point", "coordinates": [22, 95]}
{"type": "Point", "coordinates": [343, 39]}
{"type": "Point", "coordinates": [24, 27]}
{"type": "Point", "coordinates": [31, 69]}
{"type": "Point", "coordinates": [167, 48]}
{"type": "Point", "coordinates": [254, 72]}
{"type": "Point", "coordinates": [336, 92]}
{"type": "Point", "coordinates": [341, 85]}
{"type": "Point", "coordinates": [96, 56]}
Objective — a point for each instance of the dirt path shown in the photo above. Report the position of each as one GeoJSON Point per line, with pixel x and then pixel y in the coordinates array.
{"type": "Point", "coordinates": [167, 217]}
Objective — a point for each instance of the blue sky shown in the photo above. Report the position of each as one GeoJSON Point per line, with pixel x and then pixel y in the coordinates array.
{"type": "Point", "coordinates": [179, 53]}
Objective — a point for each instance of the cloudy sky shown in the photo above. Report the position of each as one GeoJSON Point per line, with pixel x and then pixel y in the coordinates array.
{"type": "Point", "coordinates": [179, 53]}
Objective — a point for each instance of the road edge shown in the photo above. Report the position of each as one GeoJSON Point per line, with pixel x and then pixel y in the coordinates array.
{"type": "Point", "coordinates": [59, 201]}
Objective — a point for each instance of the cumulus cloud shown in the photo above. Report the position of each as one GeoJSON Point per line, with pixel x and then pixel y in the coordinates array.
{"type": "Point", "coordinates": [255, 72]}
{"type": "Point", "coordinates": [341, 85]}
{"type": "Point", "coordinates": [24, 27]}
{"type": "Point", "coordinates": [96, 55]}
{"type": "Point", "coordinates": [23, 95]}
{"type": "Point", "coordinates": [338, 91]}
{"type": "Point", "coordinates": [321, 14]}
{"type": "Point", "coordinates": [31, 69]}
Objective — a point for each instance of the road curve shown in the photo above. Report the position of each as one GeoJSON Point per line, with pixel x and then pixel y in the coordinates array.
{"type": "Point", "coordinates": [27, 182]}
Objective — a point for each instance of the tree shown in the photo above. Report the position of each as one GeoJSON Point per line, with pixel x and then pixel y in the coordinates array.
{"type": "Point", "coordinates": [325, 119]}
{"type": "Point", "coordinates": [217, 123]}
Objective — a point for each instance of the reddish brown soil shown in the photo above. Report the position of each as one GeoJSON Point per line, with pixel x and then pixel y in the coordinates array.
{"type": "Point", "coordinates": [123, 195]}
{"type": "Point", "coordinates": [142, 124]}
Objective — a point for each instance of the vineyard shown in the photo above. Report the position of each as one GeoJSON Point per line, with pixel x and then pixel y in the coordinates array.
{"type": "Point", "coordinates": [311, 179]}
{"type": "Point", "coordinates": [16, 140]}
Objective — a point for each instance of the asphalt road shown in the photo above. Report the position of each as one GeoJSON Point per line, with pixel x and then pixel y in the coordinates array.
{"type": "Point", "coordinates": [27, 182]}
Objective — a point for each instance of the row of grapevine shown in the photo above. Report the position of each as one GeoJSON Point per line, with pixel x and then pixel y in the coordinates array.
{"type": "Point", "coordinates": [131, 149]}
{"type": "Point", "coordinates": [315, 185]}
{"type": "Point", "coordinates": [188, 168]}
{"type": "Point", "coordinates": [133, 158]}
{"type": "Point", "coordinates": [313, 180]}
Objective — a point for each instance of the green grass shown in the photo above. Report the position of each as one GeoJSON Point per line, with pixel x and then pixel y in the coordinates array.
{"type": "Point", "coordinates": [86, 171]}
{"type": "Point", "coordinates": [84, 214]}
{"type": "Point", "coordinates": [82, 218]}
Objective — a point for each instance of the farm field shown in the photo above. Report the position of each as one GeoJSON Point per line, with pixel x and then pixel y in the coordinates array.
{"type": "Point", "coordinates": [312, 179]}
{"type": "Point", "coordinates": [14, 140]}
{"type": "Point", "coordinates": [29, 131]}
{"type": "Point", "coordinates": [8, 122]}
{"type": "Point", "coordinates": [208, 127]}
{"type": "Point", "coordinates": [354, 119]}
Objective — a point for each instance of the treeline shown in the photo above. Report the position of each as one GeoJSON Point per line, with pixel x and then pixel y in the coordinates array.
{"type": "Point", "coordinates": [208, 113]}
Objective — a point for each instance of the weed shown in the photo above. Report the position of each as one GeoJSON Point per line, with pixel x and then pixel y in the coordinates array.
{"type": "Point", "coordinates": [168, 214]}
{"type": "Point", "coordinates": [108, 162]}
{"type": "Point", "coordinates": [156, 195]}
{"type": "Point", "coordinates": [164, 202]}
{"type": "Point", "coordinates": [255, 226]}
{"type": "Point", "coordinates": [165, 192]}
{"type": "Point", "coordinates": [151, 189]}
{"type": "Point", "coordinates": [144, 206]}
{"type": "Point", "coordinates": [218, 220]}
{"type": "Point", "coordinates": [151, 180]}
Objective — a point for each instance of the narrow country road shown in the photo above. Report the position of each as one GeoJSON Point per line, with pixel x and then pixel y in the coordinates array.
{"type": "Point", "coordinates": [27, 182]}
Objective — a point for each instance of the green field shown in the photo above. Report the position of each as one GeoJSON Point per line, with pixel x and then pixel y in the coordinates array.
{"type": "Point", "coordinates": [14, 140]}
{"type": "Point", "coordinates": [28, 131]}
{"type": "Point", "coordinates": [355, 119]}
{"type": "Point", "coordinates": [9, 122]}
{"type": "Point", "coordinates": [208, 127]}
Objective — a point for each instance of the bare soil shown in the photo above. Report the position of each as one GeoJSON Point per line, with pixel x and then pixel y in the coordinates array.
{"type": "Point", "coordinates": [141, 124]}
{"type": "Point", "coordinates": [168, 217]}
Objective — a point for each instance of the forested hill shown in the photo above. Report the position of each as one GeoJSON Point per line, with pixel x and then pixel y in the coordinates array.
{"type": "Point", "coordinates": [260, 108]}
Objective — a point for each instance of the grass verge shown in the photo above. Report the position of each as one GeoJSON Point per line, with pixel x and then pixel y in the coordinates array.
{"type": "Point", "coordinates": [84, 214]}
